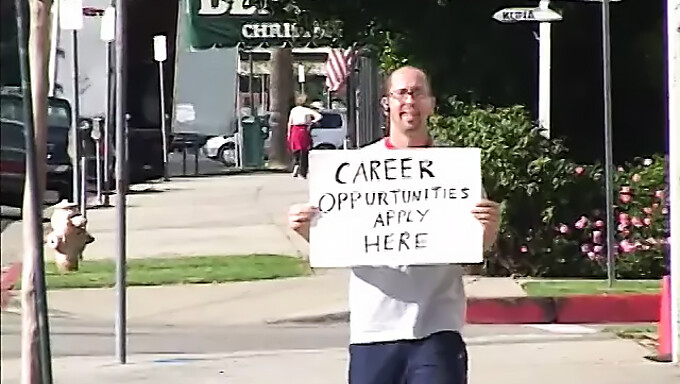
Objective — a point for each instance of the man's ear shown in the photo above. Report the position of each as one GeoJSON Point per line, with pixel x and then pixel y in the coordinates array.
{"type": "Point", "coordinates": [385, 105]}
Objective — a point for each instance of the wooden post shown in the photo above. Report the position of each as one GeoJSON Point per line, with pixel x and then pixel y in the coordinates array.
{"type": "Point", "coordinates": [35, 351]}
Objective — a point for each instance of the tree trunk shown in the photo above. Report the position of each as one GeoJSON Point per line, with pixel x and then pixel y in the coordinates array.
{"type": "Point", "coordinates": [38, 48]}
{"type": "Point", "coordinates": [282, 95]}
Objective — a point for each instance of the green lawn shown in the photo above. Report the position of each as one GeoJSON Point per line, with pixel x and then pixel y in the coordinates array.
{"type": "Point", "coordinates": [180, 270]}
{"type": "Point", "coordinates": [576, 287]}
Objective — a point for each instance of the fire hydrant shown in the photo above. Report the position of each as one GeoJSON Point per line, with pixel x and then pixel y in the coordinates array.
{"type": "Point", "coordinates": [69, 236]}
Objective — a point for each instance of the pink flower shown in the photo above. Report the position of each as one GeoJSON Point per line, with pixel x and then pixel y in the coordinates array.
{"type": "Point", "coordinates": [623, 217]}
{"type": "Point", "coordinates": [585, 248]}
{"type": "Point", "coordinates": [598, 249]}
{"type": "Point", "coordinates": [564, 229]}
{"type": "Point", "coordinates": [581, 223]}
{"type": "Point", "coordinates": [647, 210]}
{"type": "Point", "coordinates": [625, 198]}
{"type": "Point", "coordinates": [655, 205]}
{"type": "Point", "coordinates": [579, 170]}
{"type": "Point", "coordinates": [620, 169]}
{"type": "Point", "coordinates": [591, 255]}
{"type": "Point", "coordinates": [626, 246]}
{"type": "Point", "coordinates": [636, 178]}
{"type": "Point", "coordinates": [625, 189]}
{"type": "Point", "coordinates": [597, 237]}
{"type": "Point", "coordinates": [599, 224]}
{"type": "Point", "coordinates": [658, 194]}
{"type": "Point", "coordinates": [647, 221]}
{"type": "Point", "coordinates": [524, 249]}
{"type": "Point", "coordinates": [622, 227]}
{"type": "Point", "coordinates": [636, 222]}
{"type": "Point", "coordinates": [651, 240]}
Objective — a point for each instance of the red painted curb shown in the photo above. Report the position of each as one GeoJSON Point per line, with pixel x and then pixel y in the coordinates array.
{"type": "Point", "coordinates": [577, 309]}
{"type": "Point", "coordinates": [633, 308]}
{"type": "Point", "coordinates": [510, 310]}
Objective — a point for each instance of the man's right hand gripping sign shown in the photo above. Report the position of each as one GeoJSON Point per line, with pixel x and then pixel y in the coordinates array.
{"type": "Point", "coordinates": [405, 322]}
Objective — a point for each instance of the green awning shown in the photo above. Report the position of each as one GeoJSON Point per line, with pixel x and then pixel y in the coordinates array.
{"type": "Point", "coordinates": [227, 24]}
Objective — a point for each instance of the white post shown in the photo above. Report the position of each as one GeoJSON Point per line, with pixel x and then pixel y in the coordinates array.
{"type": "Point", "coordinates": [544, 72]}
{"type": "Point", "coordinates": [160, 54]}
{"type": "Point", "coordinates": [673, 29]}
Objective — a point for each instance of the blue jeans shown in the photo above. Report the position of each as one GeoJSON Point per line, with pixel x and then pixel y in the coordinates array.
{"type": "Point", "coordinates": [440, 358]}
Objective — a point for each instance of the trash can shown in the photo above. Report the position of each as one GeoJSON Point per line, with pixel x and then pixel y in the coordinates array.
{"type": "Point", "coordinates": [253, 142]}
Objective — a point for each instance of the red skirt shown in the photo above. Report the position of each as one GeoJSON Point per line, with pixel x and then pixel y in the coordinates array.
{"type": "Point", "coordinates": [299, 138]}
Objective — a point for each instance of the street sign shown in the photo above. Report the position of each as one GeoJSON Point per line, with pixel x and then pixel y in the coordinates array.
{"type": "Point", "coordinates": [108, 26]}
{"type": "Point", "coordinates": [71, 15]}
{"type": "Point", "coordinates": [160, 48]}
{"type": "Point", "coordinates": [513, 15]}
{"type": "Point", "coordinates": [301, 73]}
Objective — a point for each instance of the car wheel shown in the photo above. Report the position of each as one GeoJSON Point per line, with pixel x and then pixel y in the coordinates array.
{"type": "Point", "coordinates": [227, 154]}
{"type": "Point", "coordinates": [325, 146]}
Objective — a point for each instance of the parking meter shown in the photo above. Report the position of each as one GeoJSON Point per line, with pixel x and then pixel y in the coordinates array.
{"type": "Point", "coordinates": [96, 135]}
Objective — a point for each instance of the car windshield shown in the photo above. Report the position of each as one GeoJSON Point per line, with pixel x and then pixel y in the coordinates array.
{"type": "Point", "coordinates": [58, 113]}
{"type": "Point", "coordinates": [329, 120]}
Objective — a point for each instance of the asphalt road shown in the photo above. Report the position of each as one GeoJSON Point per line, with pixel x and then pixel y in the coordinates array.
{"type": "Point", "coordinates": [73, 337]}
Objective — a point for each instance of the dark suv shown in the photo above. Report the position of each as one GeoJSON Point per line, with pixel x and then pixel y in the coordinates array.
{"type": "Point", "coordinates": [59, 172]}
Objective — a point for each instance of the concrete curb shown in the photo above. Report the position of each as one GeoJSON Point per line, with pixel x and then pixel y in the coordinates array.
{"type": "Point", "coordinates": [577, 309]}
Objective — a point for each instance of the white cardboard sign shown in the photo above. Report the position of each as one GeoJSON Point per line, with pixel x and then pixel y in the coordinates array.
{"type": "Point", "coordinates": [395, 207]}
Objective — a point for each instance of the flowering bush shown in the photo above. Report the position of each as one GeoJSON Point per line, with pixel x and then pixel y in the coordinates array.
{"type": "Point", "coordinates": [553, 220]}
{"type": "Point", "coordinates": [640, 231]}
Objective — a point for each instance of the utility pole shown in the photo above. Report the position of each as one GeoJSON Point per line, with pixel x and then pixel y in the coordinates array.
{"type": "Point", "coordinates": [34, 47]}
{"type": "Point", "coordinates": [673, 52]}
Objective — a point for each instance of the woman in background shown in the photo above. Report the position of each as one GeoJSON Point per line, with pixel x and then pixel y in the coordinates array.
{"type": "Point", "coordinates": [300, 121]}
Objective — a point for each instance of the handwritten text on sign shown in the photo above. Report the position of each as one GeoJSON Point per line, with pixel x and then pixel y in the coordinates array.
{"type": "Point", "coordinates": [396, 207]}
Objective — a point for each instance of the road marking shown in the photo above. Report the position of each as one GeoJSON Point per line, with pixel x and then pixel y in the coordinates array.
{"type": "Point", "coordinates": [564, 328]}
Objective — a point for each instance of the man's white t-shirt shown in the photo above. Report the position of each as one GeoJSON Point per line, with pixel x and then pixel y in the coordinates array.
{"type": "Point", "coordinates": [405, 302]}
{"type": "Point", "coordinates": [301, 115]}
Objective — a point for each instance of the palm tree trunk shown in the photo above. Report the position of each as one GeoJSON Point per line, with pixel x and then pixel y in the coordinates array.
{"type": "Point", "coordinates": [282, 95]}
{"type": "Point", "coordinates": [38, 48]}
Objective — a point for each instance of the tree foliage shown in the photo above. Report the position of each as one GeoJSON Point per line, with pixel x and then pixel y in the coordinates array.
{"type": "Point", "coordinates": [469, 55]}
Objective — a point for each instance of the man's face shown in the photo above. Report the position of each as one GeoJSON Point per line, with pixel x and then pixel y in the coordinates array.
{"type": "Point", "coordinates": [409, 100]}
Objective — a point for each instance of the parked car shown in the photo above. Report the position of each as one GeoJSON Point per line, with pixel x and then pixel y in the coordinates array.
{"type": "Point", "coordinates": [223, 148]}
{"type": "Point", "coordinates": [330, 132]}
{"type": "Point", "coordinates": [12, 164]}
{"type": "Point", "coordinates": [59, 176]}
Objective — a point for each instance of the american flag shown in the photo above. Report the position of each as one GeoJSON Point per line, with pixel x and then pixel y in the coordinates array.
{"type": "Point", "coordinates": [338, 65]}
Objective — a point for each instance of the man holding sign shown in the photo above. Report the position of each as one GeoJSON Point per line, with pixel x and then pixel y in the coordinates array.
{"type": "Point", "coordinates": [403, 242]}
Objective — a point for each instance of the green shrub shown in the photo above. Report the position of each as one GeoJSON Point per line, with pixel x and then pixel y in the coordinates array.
{"type": "Point", "coordinates": [544, 194]}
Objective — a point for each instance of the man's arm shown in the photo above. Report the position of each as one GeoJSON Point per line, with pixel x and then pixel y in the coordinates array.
{"type": "Point", "coordinates": [300, 217]}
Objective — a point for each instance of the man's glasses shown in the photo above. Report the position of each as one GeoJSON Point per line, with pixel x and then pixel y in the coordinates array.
{"type": "Point", "coordinates": [401, 94]}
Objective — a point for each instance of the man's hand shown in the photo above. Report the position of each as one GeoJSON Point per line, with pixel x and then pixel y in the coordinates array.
{"type": "Point", "coordinates": [300, 217]}
{"type": "Point", "coordinates": [488, 213]}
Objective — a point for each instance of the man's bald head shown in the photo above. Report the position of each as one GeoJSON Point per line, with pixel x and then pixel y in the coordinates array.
{"type": "Point", "coordinates": [408, 101]}
{"type": "Point", "coordinates": [406, 71]}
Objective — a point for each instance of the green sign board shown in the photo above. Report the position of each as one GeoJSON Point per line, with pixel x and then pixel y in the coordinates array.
{"type": "Point", "coordinates": [229, 23]}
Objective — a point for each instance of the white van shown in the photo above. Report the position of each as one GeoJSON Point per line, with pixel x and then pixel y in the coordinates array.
{"type": "Point", "coordinates": [330, 132]}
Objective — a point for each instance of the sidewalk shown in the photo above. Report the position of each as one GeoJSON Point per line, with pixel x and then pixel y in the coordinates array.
{"type": "Point", "coordinates": [219, 215]}
{"type": "Point", "coordinates": [608, 361]}
{"type": "Point", "coordinates": [315, 297]}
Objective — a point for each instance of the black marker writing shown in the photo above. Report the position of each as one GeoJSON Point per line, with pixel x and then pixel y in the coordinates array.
{"type": "Point", "coordinates": [402, 241]}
